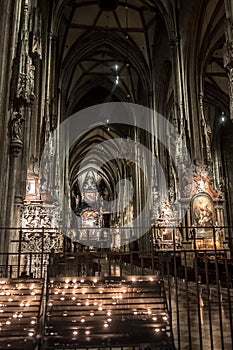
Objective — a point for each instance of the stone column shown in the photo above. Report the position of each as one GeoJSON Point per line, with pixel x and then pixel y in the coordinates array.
{"type": "Point", "coordinates": [228, 50]}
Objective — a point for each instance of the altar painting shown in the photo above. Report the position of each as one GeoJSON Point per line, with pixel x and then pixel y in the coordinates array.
{"type": "Point", "coordinates": [203, 213]}
{"type": "Point", "coordinates": [90, 228]}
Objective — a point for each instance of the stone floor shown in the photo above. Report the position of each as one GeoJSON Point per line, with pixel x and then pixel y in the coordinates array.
{"type": "Point", "coordinates": [217, 313]}
{"type": "Point", "coordinates": [200, 334]}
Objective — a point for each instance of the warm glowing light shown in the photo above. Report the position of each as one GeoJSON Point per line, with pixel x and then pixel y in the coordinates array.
{"type": "Point", "coordinates": [87, 303]}
{"type": "Point", "coordinates": [67, 281]}
{"type": "Point", "coordinates": [100, 308]}
{"type": "Point", "coordinates": [92, 313]}
{"type": "Point", "coordinates": [73, 298]}
{"type": "Point", "coordinates": [87, 332]}
{"type": "Point", "coordinates": [151, 279]}
{"type": "Point", "coordinates": [62, 298]}
{"type": "Point", "coordinates": [10, 299]}
{"type": "Point", "coordinates": [82, 280]}
{"type": "Point", "coordinates": [82, 320]}
{"type": "Point", "coordinates": [75, 332]}
{"type": "Point", "coordinates": [133, 279]}
{"type": "Point", "coordinates": [30, 334]}
{"type": "Point", "coordinates": [27, 304]}
{"type": "Point", "coordinates": [106, 325]}
{"type": "Point", "coordinates": [33, 322]}
{"type": "Point", "coordinates": [109, 313]}
{"type": "Point", "coordinates": [157, 330]}
{"type": "Point", "coordinates": [109, 319]}
{"type": "Point", "coordinates": [165, 318]}
{"type": "Point", "coordinates": [8, 322]}
{"type": "Point", "coordinates": [154, 318]}
{"type": "Point", "coordinates": [33, 293]}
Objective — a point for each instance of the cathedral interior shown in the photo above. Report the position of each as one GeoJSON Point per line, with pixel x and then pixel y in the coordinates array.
{"type": "Point", "coordinates": [116, 222]}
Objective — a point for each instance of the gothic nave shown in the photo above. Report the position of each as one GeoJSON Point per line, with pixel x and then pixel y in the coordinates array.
{"type": "Point", "coordinates": [116, 222]}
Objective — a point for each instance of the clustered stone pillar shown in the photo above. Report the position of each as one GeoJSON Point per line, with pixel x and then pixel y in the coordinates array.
{"type": "Point", "coordinates": [228, 50]}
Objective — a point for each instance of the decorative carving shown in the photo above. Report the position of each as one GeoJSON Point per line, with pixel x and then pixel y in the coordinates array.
{"type": "Point", "coordinates": [40, 229]}
{"type": "Point", "coordinates": [23, 68]}
{"type": "Point", "coordinates": [228, 63]}
{"type": "Point", "coordinates": [228, 54]}
{"type": "Point", "coordinates": [202, 182]}
{"type": "Point", "coordinates": [35, 35]}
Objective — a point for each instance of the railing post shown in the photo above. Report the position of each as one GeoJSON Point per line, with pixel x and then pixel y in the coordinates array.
{"type": "Point", "coordinates": [19, 256]}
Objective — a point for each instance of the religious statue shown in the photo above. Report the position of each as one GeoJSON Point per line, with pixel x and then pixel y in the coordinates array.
{"type": "Point", "coordinates": [16, 126]}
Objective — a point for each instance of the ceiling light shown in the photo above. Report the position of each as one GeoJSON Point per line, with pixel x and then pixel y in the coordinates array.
{"type": "Point", "coordinates": [75, 332]}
